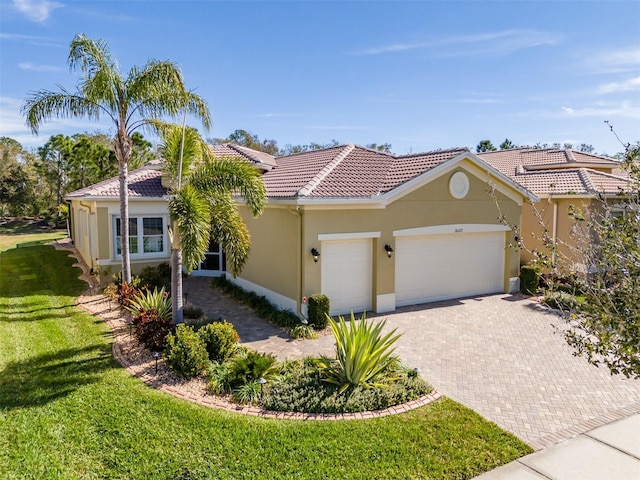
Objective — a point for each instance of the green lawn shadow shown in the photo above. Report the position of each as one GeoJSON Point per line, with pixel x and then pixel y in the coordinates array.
{"type": "Point", "coordinates": [48, 377]}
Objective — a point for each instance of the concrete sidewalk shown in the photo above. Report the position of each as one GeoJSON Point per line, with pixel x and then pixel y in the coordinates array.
{"type": "Point", "coordinates": [611, 452]}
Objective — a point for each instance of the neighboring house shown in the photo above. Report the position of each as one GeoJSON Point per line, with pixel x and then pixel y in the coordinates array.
{"type": "Point", "coordinates": [564, 180]}
{"type": "Point", "coordinates": [370, 230]}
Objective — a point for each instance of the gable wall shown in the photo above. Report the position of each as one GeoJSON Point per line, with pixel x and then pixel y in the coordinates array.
{"type": "Point", "coordinates": [430, 205]}
{"type": "Point", "coordinates": [536, 217]}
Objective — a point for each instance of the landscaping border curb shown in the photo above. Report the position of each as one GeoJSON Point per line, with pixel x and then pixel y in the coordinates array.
{"type": "Point", "coordinates": [145, 368]}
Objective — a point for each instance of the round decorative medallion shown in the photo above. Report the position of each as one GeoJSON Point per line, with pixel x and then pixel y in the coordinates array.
{"type": "Point", "coordinates": [459, 185]}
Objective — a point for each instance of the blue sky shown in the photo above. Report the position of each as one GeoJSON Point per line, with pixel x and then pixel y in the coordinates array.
{"type": "Point", "coordinates": [418, 75]}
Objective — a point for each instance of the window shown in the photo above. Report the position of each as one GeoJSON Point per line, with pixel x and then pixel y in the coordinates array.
{"type": "Point", "coordinates": [146, 236]}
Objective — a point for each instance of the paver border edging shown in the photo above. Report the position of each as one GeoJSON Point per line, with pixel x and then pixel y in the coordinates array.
{"type": "Point", "coordinates": [145, 370]}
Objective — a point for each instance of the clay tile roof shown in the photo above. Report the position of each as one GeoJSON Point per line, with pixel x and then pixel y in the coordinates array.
{"type": "Point", "coordinates": [406, 167]}
{"type": "Point", "coordinates": [142, 183]}
{"type": "Point", "coordinates": [579, 181]}
{"type": "Point", "coordinates": [348, 171]}
{"type": "Point", "coordinates": [253, 156]}
{"type": "Point", "coordinates": [295, 171]}
{"type": "Point", "coordinates": [558, 171]}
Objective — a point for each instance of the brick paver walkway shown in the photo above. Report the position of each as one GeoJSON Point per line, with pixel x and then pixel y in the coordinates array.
{"type": "Point", "coordinates": [498, 354]}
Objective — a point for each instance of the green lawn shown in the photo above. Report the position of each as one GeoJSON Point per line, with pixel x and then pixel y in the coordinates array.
{"type": "Point", "coordinates": [24, 233]}
{"type": "Point", "coordinates": [68, 410]}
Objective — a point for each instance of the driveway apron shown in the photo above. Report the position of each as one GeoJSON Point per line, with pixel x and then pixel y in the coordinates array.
{"type": "Point", "coordinates": [500, 355]}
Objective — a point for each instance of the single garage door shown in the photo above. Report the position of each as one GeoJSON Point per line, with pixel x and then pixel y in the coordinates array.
{"type": "Point", "coordinates": [347, 274]}
{"type": "Point", "coordinates": [439, 267]}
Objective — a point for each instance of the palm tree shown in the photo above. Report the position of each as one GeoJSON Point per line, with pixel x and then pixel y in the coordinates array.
{"type": "Point", "coordinates": [147, 93]}
{"type": "Point", "coordinates": [202, 205]}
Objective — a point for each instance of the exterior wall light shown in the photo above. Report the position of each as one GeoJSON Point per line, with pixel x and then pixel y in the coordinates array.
{"type": "Point", "coordinates": [316, 254]}
{"type": "Point", "coordinates": [389, 250]}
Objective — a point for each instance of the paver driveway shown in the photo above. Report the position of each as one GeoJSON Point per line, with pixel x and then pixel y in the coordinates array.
{"type": "Point", "coordinates": [499, 355]}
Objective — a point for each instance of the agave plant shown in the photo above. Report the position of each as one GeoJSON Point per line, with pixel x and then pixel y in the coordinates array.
{"type": "Point", "coordinates": [362, 353]}
{"type": "Point", "coordinates": [158, 301]}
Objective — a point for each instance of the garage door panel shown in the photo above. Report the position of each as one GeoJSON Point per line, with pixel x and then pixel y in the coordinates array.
{"type": "Point", "coordinates": [439, 267]}
{"type": "Point", "coordinates": [347, 275]}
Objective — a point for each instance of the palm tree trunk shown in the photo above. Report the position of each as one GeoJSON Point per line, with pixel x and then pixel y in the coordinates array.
{"type": "Point", "coordinates": [124, 221]}
{"type": "Point", "coordinates": [122, 147]}
{"type": "Point", "coordinates": [176, 285]}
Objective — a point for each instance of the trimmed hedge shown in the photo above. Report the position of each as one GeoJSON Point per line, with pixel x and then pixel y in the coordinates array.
{"type": "Point", "coordinates": [319, 307]}
{"type": "Point", "coordinates": [529, 279]}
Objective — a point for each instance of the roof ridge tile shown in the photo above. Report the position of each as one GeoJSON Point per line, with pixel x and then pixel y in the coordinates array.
{"type": "Point", "coordinates": [322, 174]}
{"type": "Point", "coordinates": [586, 180]}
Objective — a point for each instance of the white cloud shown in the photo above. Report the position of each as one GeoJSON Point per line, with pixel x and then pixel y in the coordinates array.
{"type": "Point", "coordinates": [604, 110]}
{"type": "Point", "coordinates": [36, 10]}
{"type": "Point", "coordinates": [615, 87]}
{"type": "Point", "coordinates": [492, 43]}
{"type": "Point", "coordinates": [615, 61]}
{"type": "Point", "coordinates": [39, 68]}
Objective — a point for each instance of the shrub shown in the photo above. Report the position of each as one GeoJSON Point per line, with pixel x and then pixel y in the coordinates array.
{"type": "Point", "coordinates": [152, 330]}
{"type": "Point", "coordinates": [156, 277]}
{"type": "Point", "coordinates": [319, 307]}
{"type": "Point", "coordinates": [193, 312]}
{"type": "Point", "coordinates": [185, 352]}
{"type": "Point", "coordinates": [220, 378]}
{"type": "Point", "coordinates": [250, 392]}
{"type": "Point", "coordinates": [529, 279]}
{"type": "Point", "coordinates": [300, 389]}
{"type": "Point", "coordinates": [362, 353]}
{"type": "Point", "coordinates": [239, 375]}
{"type": "Point", "coordinates": [560, 300]}
{"type": "Point", "coordinates": [135, 280]}
{"type": "Point", "coordinates": [157, 301]}
{"type": "Point", "coordinates": [220, 339]}
{"type": "Point", "coordinates": [125, 294]}
{"type": "Point", "coordinates": [251, 365]}
{"type": "Point", "coordinates": [303, 331]}
{"type": "Point", "coordinates": [111, 291]}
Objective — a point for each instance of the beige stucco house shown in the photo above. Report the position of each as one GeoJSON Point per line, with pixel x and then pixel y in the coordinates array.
{"type": "Point", "coordinates": [565, 181]}
{"type": "Point", "coordinates": [371, 230]}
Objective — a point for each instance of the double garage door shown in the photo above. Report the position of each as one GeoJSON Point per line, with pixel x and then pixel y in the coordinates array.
{"type": "Point", "coordinates": [439, 267]}
{"type": "Point", "coordinates": [428, 268]}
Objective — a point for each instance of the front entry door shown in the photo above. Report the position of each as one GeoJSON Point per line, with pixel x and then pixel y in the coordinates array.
{"type": "Point", "coordinates": [214, 263]}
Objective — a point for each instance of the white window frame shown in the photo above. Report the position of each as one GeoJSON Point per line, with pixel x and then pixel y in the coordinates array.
{"type": "Point", "coordinates": [140, 237]}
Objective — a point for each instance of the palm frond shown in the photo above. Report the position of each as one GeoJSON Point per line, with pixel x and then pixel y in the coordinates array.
{"type": "Point", "coordinates": [102, 81]}
{"type": "Point", "coordinates": [191, 213]}
{"type": "Point", "coordinates": [228, 229]}
{"type": "Point", "coordinates": [173, 148]}
{"type": "Point", "coordinates": [158, 89]}
{"type": "Point", "coordinates": [232, 175]}
{"type": "Point", "coordinates": [44, 105]}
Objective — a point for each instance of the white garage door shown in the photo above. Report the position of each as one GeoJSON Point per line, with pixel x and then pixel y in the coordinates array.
{"type": "Point", "coordinates": [439, 267]}
{"type": "Point", "coordinates": [347, 275]}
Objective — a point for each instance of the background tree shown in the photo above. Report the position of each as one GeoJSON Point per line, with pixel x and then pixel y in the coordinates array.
{"type": "Point", "coordinates": [249, 140]}
{"type": "Point", "coordinates": [54, 166]}
{"type": "Point", "coordinates": [132, 102]}
{"type": "Point", "coordinates": [18, 180]}
{"type": "Point", "coordinates": [507, 145]}
{"type": "Point", "coordinates": [202, 205]}
{"type": "Point", "coordinates": [380, 147]}
{"type": "Point", "coordinates": [291, 149]}
{"type": "Point", "coordinates": [604, 324]}
{"type": "Point", "coordinates": [92, 160]}
{"type": "Point", "coordinates": [485, 146]}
